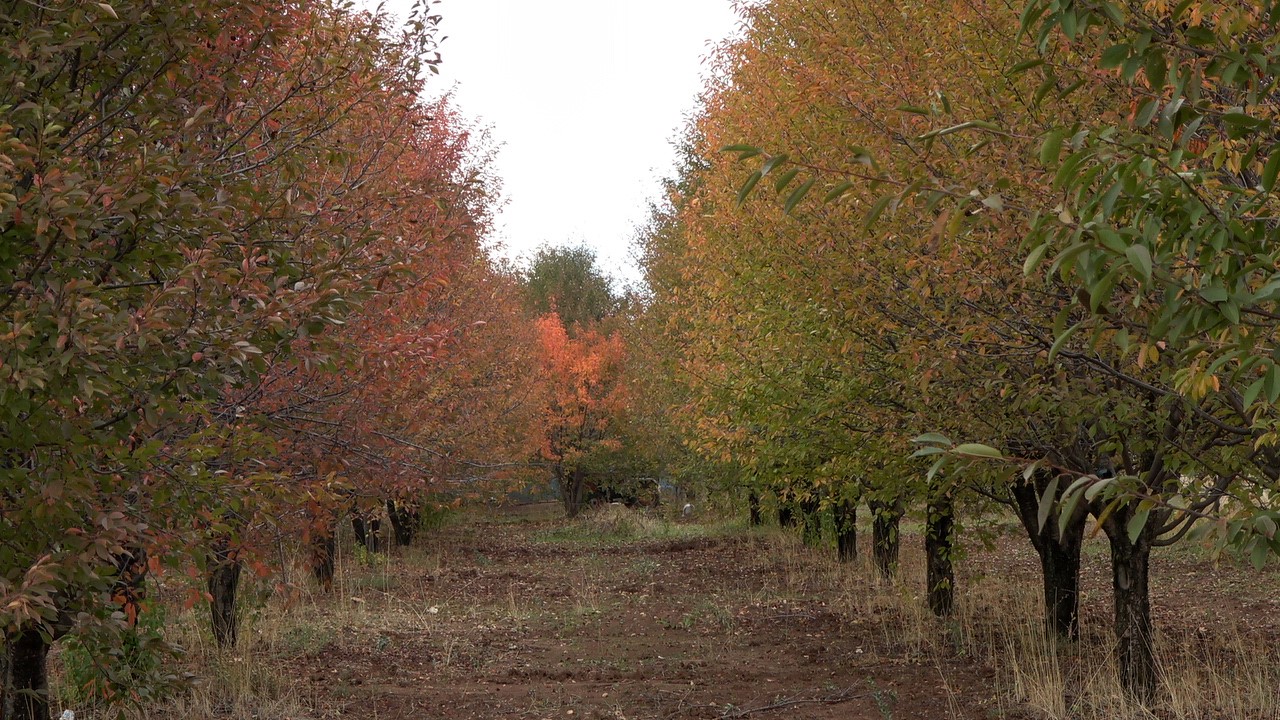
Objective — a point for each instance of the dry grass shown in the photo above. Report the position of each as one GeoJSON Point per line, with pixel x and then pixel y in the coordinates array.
{"type": "Point", "coordinates": [1215, 675]}
{"type": "Point", "coordinates": [1218, 675]}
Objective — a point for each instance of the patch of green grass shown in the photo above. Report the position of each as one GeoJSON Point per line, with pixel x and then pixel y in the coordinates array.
{"type": "Point", "coordinates": [612, 525]}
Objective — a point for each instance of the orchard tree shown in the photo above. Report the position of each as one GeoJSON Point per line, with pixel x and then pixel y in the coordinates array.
{"type": "Point", "coordinates": [177, 206]}
{"type": "Point", "coordinates": [1154, 124]}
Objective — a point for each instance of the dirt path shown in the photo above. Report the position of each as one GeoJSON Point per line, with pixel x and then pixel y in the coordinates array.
{"type": "Point", "coordinates": [527, 620]}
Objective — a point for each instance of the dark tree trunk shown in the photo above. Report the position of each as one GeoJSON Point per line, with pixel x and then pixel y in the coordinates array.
{"type": "Point", "coordinates": [1131, 590]}
{"type": "Point", "coordinates": [939, 543]}
{"type": "Point", "coordinates": [885, 519]}
{"type": "Point", "coordinates": [811, 507]}
{"type": "Point", "coordinates": [786, 513]}
{"type": "Point", "coordinates": [368, 532]}
{"type": "Point", "coordinates": [1059, 552]}
{"type": "Point", "coordinates": [846, 521]}
{"type": "Point", "coordinates": [25, 692]}
{"type": "Point", "coordinates": [405, 520]}
{"type": "Point", "coordinates": [573, 492]}
{"type": "Point", "coordinates": [224, 581]}
{"type": "Point", "coordinates": [323, 553]}
{"type": "Point", "coordinates": [753, 503]}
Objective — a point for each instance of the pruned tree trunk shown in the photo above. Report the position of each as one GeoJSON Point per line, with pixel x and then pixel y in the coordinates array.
{"type": "Point", "coordinates": [224, 582]}
{"type": "Point", "coordinates": [939, 545]}
{"type": "Point", "coordinates": [1131, 590]}
{"type": "Point", "coordinates": [885, 519]}
{"type": "Point", "coordinates": [1059, 551]}
{"type": "Point", "coordinates": [753, 504]}
{"type": "Point", "coordinates": [405, 520]}
{"type": "Point", "coordinates": [846, 521]}
{"type": "Point", "coordinates": [25, 691]}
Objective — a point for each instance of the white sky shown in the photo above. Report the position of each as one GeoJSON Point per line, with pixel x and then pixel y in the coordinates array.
{"type": "Point", "coordinates": [585, 97]}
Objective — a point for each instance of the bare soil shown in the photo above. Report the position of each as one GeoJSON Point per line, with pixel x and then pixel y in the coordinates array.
{"type": "Point", "coordinates": [509, 616]}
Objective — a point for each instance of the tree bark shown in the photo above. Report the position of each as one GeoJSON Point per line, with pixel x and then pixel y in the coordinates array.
{"type": "Point", "coordinates": [885, 519]}
{"type": "Point", "coordinates": [25, 691]}
{"type": "Point", "coordinates": [1059, 552]}
{"type": "Point", "coordinates": [786, 513]}
{"type": "Point", "coordinates": [572, 494]}
{"type": "Point", "coordinates": [846, 517]}
{"type": "Point", "coordinates": [224, 582]}
{"type": "Point", "coordinates": [1131, 590]}
{"type": "Point", "coordinates": [939, 544]}
{"type": "Point", "coordinates": [368, 532]}
{"type": "Point", "coordinates": [811, 508]}
{"type": "Point", "coordinates": [323, 553]}
{"type": "Point", "coordinates": [405, 520]}
{"type": "Point", "coordinates": [753, 504]}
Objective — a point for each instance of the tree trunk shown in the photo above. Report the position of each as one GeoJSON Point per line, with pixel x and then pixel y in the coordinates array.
{"type": "Point", "coordinates": [885, 518]}
{"type": "Point", "coordinates": [224, 581]}
{"type": "Point", "coordinates": [323, 552]}
{"type": "Point", "coordinates": [786, 513]}
{"type": "Point", "coordinates": [1130, 563]}
{"type": "Point", "coordinates": [368, 532]}
{"type": "Point", "coordinates": [810, 506]}
{"type": "Point", "coordinates": [939, 542]}
{"type": "Point", "coordinates": [405, 520]}
{"type": "Point", "coordinates": [572, 494]}
{"type": "Point", "coordinates": [1059, 553]}
{"type": "Point", "coordinates": [753, 503]}
{"type": "Point", "coordinates": [25, 692]}
{"type": "Point", "coordinates": [846, 517]}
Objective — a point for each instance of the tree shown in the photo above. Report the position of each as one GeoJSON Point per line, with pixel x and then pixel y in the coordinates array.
{"type": "Point", "coordinates": [585, 395]}
{"type": "Point", "coordinates": [179, 202]}
{"type": "Point", "coordinates": [1153, 256]}
{"type": "Point", "coordinates": [566, 281]}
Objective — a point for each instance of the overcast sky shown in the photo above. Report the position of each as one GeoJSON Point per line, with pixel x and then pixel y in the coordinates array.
{"type": "Point", "coordinates": [585, 97]}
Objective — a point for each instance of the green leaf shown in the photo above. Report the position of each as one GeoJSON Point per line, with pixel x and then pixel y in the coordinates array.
{"type": "Point", "coordinates": [1114, 56]}
{"type": "Point", "coordinates": [1273, 384]}
{"type": "Point", "coordinates": [927, 451]}
{"type": "Point", "coordinates": [772, 163]}
{"type": "Point", "coordinates": [748, 186]}
{"type": "Point", "coordinates": [837, 192]}
{"type": "Point", "coordinates": [1258, 556]}
{"type": "Point", "coordinates": [1068, 508]}
{"type": "Point", "coordinates": [877, 210]}
{"type": "Point", "coordinates": [1140, 258]}
{"type": "Point", "coordinates": [978, 450]}
{"type": "Point", "coordinates": [1061, 342]}
{"type": "Point", "coordinates": [932, 437]}
{"type": "Point", "coordinates": [1271, 170]}
{"type": "Point", "coordinates": [1024, 66]}
{"type": "Point", "coordinates": [1046, 502]}
{"type": "Point", "coordinates": [1051, 148]}
{"type": "Point", "coordinates": [785, 179]}
{"type": "Point", "coordinates": [1252, 393]}
{"type": "Point", "coordinates": [1092, 491]}
{"type": "Point", "coordinates": [797, 195]}
{"type": "Point", "coordinates": [1033, 260]}
{"type": "Point", "coordinates": [1138, 522]}
{"type": "Point", "coordinates": [1215, 294]}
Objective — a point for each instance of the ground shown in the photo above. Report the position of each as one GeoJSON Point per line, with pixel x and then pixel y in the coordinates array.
{"type": "Point", "coordinates": [527, 615]}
